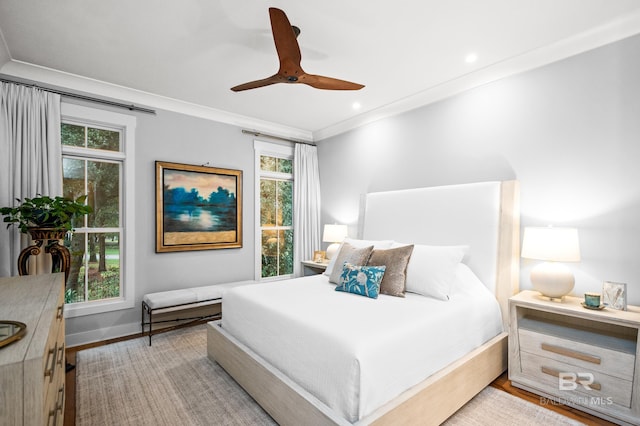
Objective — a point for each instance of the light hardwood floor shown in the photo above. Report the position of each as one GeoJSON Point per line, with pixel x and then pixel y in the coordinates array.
{"type": "Point", "coordinates": [501, 383]}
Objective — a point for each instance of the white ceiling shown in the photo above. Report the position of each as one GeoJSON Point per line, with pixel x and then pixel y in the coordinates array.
{"type": "Point", "coordinates": [185, 55]}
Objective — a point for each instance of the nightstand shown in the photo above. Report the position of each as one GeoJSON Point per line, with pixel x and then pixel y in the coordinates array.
{"type": "Point", "coordinates": [309, 267]}
{"type": "Point", "coordinates": [587, 359]}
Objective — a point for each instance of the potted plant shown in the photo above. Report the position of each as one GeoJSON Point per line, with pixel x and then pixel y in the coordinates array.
{"type": "Point", "coordinates": [46, 219]}
{"type": "Point", "coordinates": [43, 213]}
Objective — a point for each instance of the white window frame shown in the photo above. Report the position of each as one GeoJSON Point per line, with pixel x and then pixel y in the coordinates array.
{"type": "Point", "coordinates": [270, 149]}
{"type": "Point", "coordinates": [126, 124]}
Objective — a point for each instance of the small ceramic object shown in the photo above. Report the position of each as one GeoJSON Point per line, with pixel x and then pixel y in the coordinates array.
{"type": "Point", "coordinates": [592, 300]}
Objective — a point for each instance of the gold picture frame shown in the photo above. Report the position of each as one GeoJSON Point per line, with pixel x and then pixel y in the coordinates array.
{"type": "Point", "coordinates": [319, 256]}
{"type": "Point", "coordinates": [197, 207]}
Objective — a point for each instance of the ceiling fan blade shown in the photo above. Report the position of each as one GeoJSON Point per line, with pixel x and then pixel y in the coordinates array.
{"type": "Point", "coordinates": [328, 83]}
{"type": "Point", "coordinates": [259, 83]}
{"type": "Point", "coordinates": [285, 39]}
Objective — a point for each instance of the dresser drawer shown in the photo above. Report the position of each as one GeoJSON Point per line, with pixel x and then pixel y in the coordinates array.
{"type": "Point", "coordinates": [578, 354]}
{"type": "Point", "coordinates": [54, 405]}
{"type": "Point", "coordinates": [604, 389]}
{"type": "Point", "coordinates": [53, 356]}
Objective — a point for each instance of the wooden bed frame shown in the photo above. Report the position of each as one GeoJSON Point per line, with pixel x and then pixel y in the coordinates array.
{"type": "Point", "coordinates": [429, 402]}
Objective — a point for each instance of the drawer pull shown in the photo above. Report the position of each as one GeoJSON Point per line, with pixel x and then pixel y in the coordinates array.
{"type": "Point", "coordinates": [60, 403]}
{"type": "Point", "coordinates": [576, 379]}
{"type": "Point", "coordinates": [53, 417]}
{"type": "Point", "coordinates": [51, 362]}
{"type": "Point", "coordinates": [61, 355]}
{"type": "Point", "coordinates": [571, 353]}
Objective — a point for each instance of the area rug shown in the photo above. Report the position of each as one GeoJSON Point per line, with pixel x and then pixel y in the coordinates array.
{"type": "Point", "coordinates": [174, 383]}
{"type": "Point", "coordinates": [495, 407]}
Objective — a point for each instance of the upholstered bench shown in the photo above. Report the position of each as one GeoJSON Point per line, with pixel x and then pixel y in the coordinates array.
{"type": "Point", "coordinates": [187, 298]}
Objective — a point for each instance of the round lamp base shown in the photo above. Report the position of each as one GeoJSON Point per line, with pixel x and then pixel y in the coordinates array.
{"type": "Point", "coordinates": [332, 250]}
{"type": "Point", "coordinates": [552, 279]}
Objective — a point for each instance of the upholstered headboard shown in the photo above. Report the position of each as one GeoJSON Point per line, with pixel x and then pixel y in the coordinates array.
{"type": "Point", "coordinates": [484, 216]}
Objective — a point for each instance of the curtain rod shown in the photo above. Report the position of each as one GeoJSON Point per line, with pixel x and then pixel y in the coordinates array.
{"type": "Point", "coordinates": [264, 135]}
{"type": "Point", "coordinates": [82, 97]}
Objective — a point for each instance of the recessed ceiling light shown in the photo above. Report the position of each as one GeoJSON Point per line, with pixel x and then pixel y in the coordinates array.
{"type": "Point", "coordinates": [471, 58]}
{"type": "Point", "coordinates": [356, 105]}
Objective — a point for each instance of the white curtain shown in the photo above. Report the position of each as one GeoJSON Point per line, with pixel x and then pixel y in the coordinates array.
{"type": "Point", "coordinates": [306, 198]}
{"type": "Point", "coordinates": [30, 158]}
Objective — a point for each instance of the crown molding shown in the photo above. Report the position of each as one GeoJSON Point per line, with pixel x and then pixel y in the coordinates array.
{"type": "Point", "coordinates": [611, 32]}
{"type": "Point", "coordinates": [61, 80]}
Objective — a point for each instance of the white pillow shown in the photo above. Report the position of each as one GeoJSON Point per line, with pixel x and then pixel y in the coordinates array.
{"type": "Point", "coordinates": [382, 244]}
{"type": "Point", "coordinates": [431, 269]}
{"type": "Point", "coordinates": [465, 281]}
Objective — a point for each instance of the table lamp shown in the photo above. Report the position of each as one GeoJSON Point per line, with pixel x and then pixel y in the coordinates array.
{"type": "Point", "coordinates": [334, 234]}
{"type": "Point", "coordinates": [553, 245]}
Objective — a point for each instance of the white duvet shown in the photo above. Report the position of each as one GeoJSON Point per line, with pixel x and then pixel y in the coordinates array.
{"type": "Point", "coordinates": [351, 352]}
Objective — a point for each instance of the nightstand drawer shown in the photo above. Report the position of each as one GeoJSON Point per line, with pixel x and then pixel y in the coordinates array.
{"type": "Point", "coordinates": [602, 390]}
{"type": "Point", "coordinates": [578, 354]}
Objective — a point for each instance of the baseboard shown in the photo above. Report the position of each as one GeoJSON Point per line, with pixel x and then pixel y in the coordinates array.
{"type": "Point", "coordinates": [101, 334]}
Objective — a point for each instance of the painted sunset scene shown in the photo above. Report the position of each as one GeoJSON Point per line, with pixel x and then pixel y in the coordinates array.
{"type": "Point", "coordinates": [199, 207]}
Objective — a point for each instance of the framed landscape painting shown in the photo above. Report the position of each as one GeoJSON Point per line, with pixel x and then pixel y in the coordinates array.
{"type": "Point", "coordinates": [197, 207]}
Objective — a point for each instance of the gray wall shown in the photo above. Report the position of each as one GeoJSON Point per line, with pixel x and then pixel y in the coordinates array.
{"type": "Point", "coordinates": [569, 132]}
{"type": "Point", "coordinates": [178, 138]}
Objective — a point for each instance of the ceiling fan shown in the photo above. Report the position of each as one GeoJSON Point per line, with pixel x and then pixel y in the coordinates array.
{"type": "Point", "coordinates": [284, 36]}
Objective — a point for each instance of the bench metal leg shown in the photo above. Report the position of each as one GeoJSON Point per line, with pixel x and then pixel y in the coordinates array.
{"type": "Point", "coordinates": [150, 325]}
{"type": "Point", "coordinates": [149, 311]}
{"type": "Point", "coordinates": [146, 308]}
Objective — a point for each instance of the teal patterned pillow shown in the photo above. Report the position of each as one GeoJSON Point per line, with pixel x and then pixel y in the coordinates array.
{"type": "Point", "coordinates": [362, 280]}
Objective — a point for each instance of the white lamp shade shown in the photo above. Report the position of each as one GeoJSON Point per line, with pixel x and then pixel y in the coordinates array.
{"type": "Point", "coordinates": [334, 233]}
{"type": "Point", "coordinates": [551, 244]}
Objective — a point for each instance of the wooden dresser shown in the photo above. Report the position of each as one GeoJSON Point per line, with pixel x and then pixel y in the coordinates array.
{"type": "Point", "coordinates": [32, 369]}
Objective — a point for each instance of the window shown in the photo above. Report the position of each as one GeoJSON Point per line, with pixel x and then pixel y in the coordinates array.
{"type": "Point", "coordinates": [274, 210]}
{"type": "Point", "coordinates": [97, 151]}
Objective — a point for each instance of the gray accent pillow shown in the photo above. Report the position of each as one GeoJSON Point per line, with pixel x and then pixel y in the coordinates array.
{"type": "Point", "coordinates": [395, 276]}
{"type": "Point", "coordinates": [348, 253]}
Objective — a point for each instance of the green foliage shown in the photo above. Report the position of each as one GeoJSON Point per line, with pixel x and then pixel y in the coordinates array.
{"type": "Point", "coordinates": [101, 285]}
{"type": "Point", "coordinates": [276, 164]}
{"type": "Point", "coordinates": [86, 173]}
{"type": "Point", "coordinates": [276, 217]}
{"type": "Point", "coordinates": [46, 212]}
{"type": "Point", "coordinates": [70, 295]}
{"type": "Point", "coordinates": [106, 286]}
{"type": "Point", "coordinates": [277, 253]}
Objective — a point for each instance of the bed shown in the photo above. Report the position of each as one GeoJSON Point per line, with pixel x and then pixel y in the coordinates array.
{"type": "Point", "coordinates": [334, 378]}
